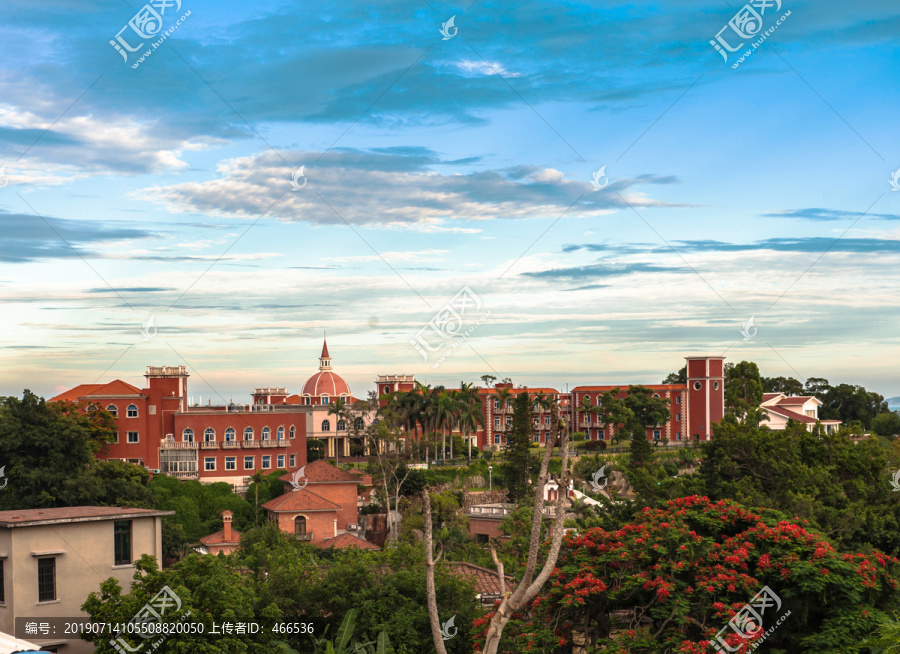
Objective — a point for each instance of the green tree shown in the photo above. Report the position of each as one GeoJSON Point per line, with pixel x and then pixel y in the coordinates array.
{"type": "Point", "coordinates": [743, 391]}
{"type": "Point", "coordinates": [614, 412]}
{"type": "Point", "coordinates": [886, 424]}
{"type": "Point", "coordinates": [647, 411]}
{"type": "Point", "coordinates": [786, 385]}
{"type": "Point", "coordinates": [679, 377]}
{"type": "Point", "coordinates": [517, 468]}
{"type": "Point", "coordinates": [846, 403]}
{"type": "Point", "coordinates": [315, 450]}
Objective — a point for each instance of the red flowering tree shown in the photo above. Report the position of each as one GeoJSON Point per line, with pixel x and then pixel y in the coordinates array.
{"type": "Point", "coordinates": [673, 578]}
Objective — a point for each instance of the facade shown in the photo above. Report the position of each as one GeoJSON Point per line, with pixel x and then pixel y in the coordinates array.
{"type": "Point", "coordinates": [803, 408]}
{"type": "Point", "coordinates": [159, 429]}
{"type": "Point", "coordinates": [50, 559]}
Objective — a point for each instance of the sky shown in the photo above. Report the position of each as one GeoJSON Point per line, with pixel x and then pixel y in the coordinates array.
{"type": "Point", "coordinates": [559, 193]}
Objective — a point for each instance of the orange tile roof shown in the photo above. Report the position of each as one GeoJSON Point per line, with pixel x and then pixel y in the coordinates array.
{"type": "Point", "coordinates": [322, 472]}
{"type": "Point", "coordinates": [116, 387]}
{"type": "Point", "coordinates": [344, 541]}
{"type": "Point", "coordinates": [218, 538]}
{"type": "Point", "coordinates": [301, 500]}
{"type": "Point", "coordinates": [487, 582]}
{"type": "Point", "coordinates": [73, 394]}
{"type": "Point", "coordinates": [74, 514]}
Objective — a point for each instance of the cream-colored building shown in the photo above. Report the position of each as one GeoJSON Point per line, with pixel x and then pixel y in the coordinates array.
{"type": "Point", "coordinates": [51, 559]}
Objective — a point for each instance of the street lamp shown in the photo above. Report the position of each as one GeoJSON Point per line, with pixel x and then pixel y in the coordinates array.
{"type": "Point", "coordinates": [490, 478]}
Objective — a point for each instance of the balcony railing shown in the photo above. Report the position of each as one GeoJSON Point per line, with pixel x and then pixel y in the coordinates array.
{"type": "Point", "coordinates": [268, 443]}
{"type": "Point", "coordinates": [174, 445]}
{"type": "Point", "coordinates": [209, 445]}
{"type": "Point", "coordinates": [230, 445]}
{"type": "Point", "coordinates": [184, 475]}
{"type": "Point", "coordinates": [307, 536]}
{"type": "Point", "coordinates": [250, 443]}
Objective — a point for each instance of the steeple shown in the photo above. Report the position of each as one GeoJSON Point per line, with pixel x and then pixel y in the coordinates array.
{"type": "Point", "coordinates": [325, 359]}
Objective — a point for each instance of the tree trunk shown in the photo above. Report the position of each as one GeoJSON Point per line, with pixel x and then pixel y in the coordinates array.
{"type": "Point", "coordinates": [430, 592]}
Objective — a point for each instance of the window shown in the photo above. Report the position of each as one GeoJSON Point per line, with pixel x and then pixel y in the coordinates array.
{"type": "Point", "coordinates": [324, 399]}
{"type": "Point", "coordinates": [508, 420]}
{"type": "Point", "coordinates": [292, 432]}
{"type": "Point", "coordinates": [656, 434]}
{"type": "Point", "coordinates": [496, 404]}
{"type": "Point", "coordinates": [341, 425]}
{"type": "Point", "coordinates": [496, 422]}
{"type": "Point", "coordinates": [231, 463]}
{"type": "Point", "coordinates": [113, 410]}
{"type": "Point", "coordinates": [248, 463]}
{"type": "Point", "coordinates": [133, 437]}
{"type": "Point", "coordinates": [677, 417]}
{"type": "Point", "coordinates": [229, 434]}
{"type": "Point", "coordinates": [122, 541]}
{"type": "Point", "coordinates": [46, 580]}
{"type": "Point", "coordinates": [678, 436]}
{"type": "Point", "coordinates": [715, 386]}
{"type": "Point", "coordinates": [496, 439]}
{"type": "Point", "coordinates": [281, 461]}
{"type": "Point", "coordinates": [326, 425]}
{"type": "Point", "coordinates": [209, 463]}
{"type": "Point", "coordinates": [209, 435]}
{"type": "Point", "coordinates": [2, 585]}
{"type": "Point", "coordinates": [131, 412]}
{"type": "Point", "coordinates": [656, 395]}
{"type": "Point", "coordinates": [697, 386]}
{"type": "Point", "coordinates": [601, 434]}
{"type": "Point", "coordinates": [248, 434]}
{"type": "Point", "coordinates": [300, 525]}
{"type": "Point", "coordinates": [598, 400]}
{"type": "Point", "coordinates": [546, 420]}
{"type": "Point", "coordinates": [187, 435]}
{"type": "Point", "coordinates": [546, 436]}
{"type": "Point", "coordinates": [280, 433]}
{"type": "Point", "coordinates": [360, 423]}
{"type": "Point", "coordinates": [266, 432]}
{"type": "Point", "coordinates": [266, 462]}
{"type": "Point", "coordinates": [117, 438]}
{"type": "Point", "coordinates": [307, 400]}
{"type": "Point", "coordinates": [293, 460]}
{"type": "Point", "coordinates": [535, 437]}
{"type": "Point", "coordinates": [677, 399]}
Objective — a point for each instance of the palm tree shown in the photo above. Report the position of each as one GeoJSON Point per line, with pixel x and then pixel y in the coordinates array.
{"type": "Point", "coordinates": [470, 412]}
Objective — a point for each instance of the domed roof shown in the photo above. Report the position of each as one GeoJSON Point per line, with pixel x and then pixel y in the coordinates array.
{"type": "Point", "coordinates": [326, 382]}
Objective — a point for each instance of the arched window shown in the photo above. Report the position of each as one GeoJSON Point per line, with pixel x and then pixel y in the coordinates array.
{"type": "Point", "coordinates": [132, 411]}
{"type": "Point", "coordinates": [300, 525]}
{"type": "Point", "coordinates": [280, 433]}
{"type": "Point", "coordinates": [341, 426]}
{"type": "Point", "coordinates": [91, 407]}
{"type": "Point", "coordinates": [360, 423]}
{"type": "Point", "coordinates": [599, 400]}
{"type": "Point", "coordinates": [324, 399]}
{"type": "Point", "coordinates": [229, 434]}
{"type": "Point", "coordinates": [209, 435]}
{"type": "Point", "coordinates": [326, 425]}
{"type": "Point", "coordinates": [248, 434]}
{"type": "Point", "coordinates": [113, 410]}
{"type": "Point", "coordinates": [266, 432]}
{"type": "Point", "coordinates": [187, 435]}
{"type": "Point", "coordinates": [293, 432]}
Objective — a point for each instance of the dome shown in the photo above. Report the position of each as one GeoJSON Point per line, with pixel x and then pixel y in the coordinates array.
{"type": "Point", "coordinates": [326, 383]}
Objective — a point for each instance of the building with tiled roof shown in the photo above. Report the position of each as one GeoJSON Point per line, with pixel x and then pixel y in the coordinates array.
{"type": "Point", "coordinates": [780, 408]}
{"type": "Point", "coordinates": [226, 541]}
{"type": "Point", "coordinates": [346, 540]}
{"type": "Point", "coordinates": [331, 482]}
{"type": "Point", "coordinates": [307, 515]}
{"type": "Point", "coordinates": [486, 582]}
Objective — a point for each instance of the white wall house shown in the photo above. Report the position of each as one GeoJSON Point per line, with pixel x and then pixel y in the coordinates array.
{"type": "Point", "coordinates": [803, 408]}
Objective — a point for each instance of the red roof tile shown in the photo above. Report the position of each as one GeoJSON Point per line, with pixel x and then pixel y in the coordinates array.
{"type": "Point", "coordinates": [787, 413]}
{"type": "Point", "coordinates": [116, 387]}
{"type": "Point", "coordinates": [218, 538]}
{"type": "Point", "coordinates": [73, 394]}
{"type": "Point", "coordinates": [344, 541]}
{"type": "Point", "coordinates": [322, 472]}
{"type": "Point", "coordinates": [74, 514]}
{"type": "Point", "coordinates": [796, 399]}
{"type": "Point", "coordinates": [301, 500]}
{"type": "Point", "coordinates": [487, 582]}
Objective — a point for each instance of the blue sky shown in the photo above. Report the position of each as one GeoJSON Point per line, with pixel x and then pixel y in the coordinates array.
{"type": "Point", "coordinates": [433, 165]}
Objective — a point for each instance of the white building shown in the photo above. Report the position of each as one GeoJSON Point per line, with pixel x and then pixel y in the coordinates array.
{"type": "Point", "coordinates": [803, 408]}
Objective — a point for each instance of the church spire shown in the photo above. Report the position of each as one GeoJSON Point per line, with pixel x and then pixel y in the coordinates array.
{"type": "Point", "coordinates": [325, 359]}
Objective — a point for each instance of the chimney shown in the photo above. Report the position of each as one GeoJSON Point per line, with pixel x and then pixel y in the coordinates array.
{"type": "Point", "coordinates": [226, 519]}
{"type": "Point", "coordinates": [335, 527]}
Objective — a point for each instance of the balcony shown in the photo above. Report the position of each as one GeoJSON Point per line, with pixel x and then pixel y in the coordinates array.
{"type": "Point", "coordinates": [209, 445]}
{"type": "Point", "coordinates": [184, 475]}
{"type": "Point", "coordinates": [173, 445]}
{"type": "Point", "coordinates": [307, 536]}
{"type": "Point", "coordinates": [269, 443]}
{"type": "Point", "coordinates": [252, 444]}
{"type": "Point", "coordinates": [230, 445]}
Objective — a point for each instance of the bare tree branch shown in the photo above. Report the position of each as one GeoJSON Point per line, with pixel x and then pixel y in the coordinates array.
{"type": "Point", "coordinates": [499, 565]}
{"type": "Point", "coordinates": [429, 577]}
